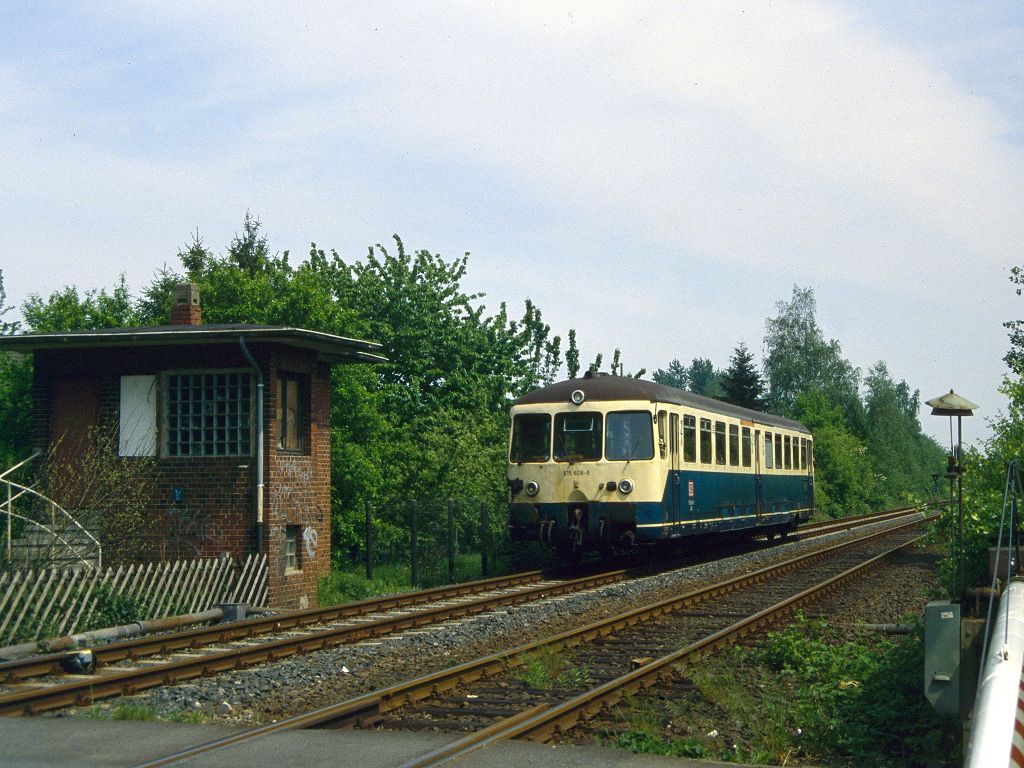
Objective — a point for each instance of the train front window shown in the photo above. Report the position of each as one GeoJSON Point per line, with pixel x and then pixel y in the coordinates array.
{"type": "Point", "coordinates": [578, 436]}
{"type": "Point", "coordinates": [531, 438]}
{"type": "Point", "coordinates": [628, 436]}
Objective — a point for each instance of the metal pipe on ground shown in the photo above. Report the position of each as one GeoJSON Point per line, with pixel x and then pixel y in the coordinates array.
{"type": "Point", "coordinates": [890, 629]}
{"type": "Point", "coordinates": [68, 642]}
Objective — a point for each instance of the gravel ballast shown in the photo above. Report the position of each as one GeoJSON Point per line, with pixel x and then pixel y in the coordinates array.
{"type": "Point", "coordinates": [301, 683]}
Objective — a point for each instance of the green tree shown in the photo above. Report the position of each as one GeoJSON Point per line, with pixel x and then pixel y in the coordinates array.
{"type": "Point", "coordinates": [65, 310]}
{"type": "Point", "coordinates": [572, 356]}
{"type": "Point", "coordinates": [674, 376]}
{"type": "Point", "coordinates": [741, 383]}
{"type": "Point", "coordinates": [704, 378]}
{"type": "Point", "coordinates": [844, 481]}
{"type": "Point", "coordinates": [15, 394]}
{"type": "Point", "coordinates": [798, 359]}
{"type": "Point", "coordinates": [903, 458]}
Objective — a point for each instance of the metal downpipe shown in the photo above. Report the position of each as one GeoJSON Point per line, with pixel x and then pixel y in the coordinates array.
{"type": "Point", "coordinates": [259, 444]}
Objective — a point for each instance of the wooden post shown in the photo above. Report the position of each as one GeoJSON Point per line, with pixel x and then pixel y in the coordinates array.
{"type": "Point", "coordinates": [451, 541]}
{"type": "Point", "coordinates": [415, 547]}
{"type": "Point", "coordinates": [369, 541]}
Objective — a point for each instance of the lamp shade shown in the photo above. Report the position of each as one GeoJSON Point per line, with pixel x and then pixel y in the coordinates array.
{"type": "Point", "coordinates": [951, 404]}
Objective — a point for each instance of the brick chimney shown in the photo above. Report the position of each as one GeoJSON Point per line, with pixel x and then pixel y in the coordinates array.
{"type": "Point", "coordinates": [185, 309]}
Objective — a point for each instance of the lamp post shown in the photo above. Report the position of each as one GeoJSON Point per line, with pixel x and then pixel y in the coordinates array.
{"type": "Point", "coordinates": [951, 405]}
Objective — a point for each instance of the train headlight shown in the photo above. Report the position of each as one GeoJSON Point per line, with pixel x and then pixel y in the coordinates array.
{"type": "Point", "coordinates": [625, 485]}
{"type": "Point", "coordinates": [578, 396]}
{"type": "Point", "coordinates": [532, 488]}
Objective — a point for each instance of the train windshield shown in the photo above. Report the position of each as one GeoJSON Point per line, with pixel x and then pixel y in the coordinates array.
{"type": "Point", "coordinates": [629, 436]}
{"type": "Point", "coordinates": [577, 437]}
{"type": "Point", "coordinates": [531, 437]}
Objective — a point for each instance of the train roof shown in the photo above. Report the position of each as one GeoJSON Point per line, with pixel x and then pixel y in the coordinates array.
{"type": "Point", "coordinates": [607, 387]}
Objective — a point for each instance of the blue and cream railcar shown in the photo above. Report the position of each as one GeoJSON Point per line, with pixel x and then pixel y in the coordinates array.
{"type": "Point", "coordinates": [608, 462]}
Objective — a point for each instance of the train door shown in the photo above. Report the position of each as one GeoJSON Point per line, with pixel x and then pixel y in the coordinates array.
{"type": "Point", "coordinates": [758, 483]}
{"type": "Point", "coordinates": [676, 482]}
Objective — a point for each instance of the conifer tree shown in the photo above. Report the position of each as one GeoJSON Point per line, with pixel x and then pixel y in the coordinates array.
{"type": "Point", "coordinates": [742, 384]}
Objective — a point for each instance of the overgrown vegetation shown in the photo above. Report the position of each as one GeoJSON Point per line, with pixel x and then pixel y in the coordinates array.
{"type": "Point", "coordinates": [547, 668]}
{"type": "Point", "coordinates": [985, 467]}
{"type": "Point", "coordinates": [801, 696]}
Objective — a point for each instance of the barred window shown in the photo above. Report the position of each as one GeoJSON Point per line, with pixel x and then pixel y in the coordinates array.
{"type": "Point", "coordinates": [208, 413]}
{"type": "Point", "coordinates": [292, 550]}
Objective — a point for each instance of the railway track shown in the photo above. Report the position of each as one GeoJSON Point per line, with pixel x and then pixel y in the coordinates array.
{"type": "Point", "coordinates": [491, 698]}
{"type": "Point", "coordinates": [41, 683]}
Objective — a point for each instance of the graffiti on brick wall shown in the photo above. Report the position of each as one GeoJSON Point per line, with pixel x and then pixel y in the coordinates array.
{"type": "Point", "coordinates": [309, 519]}
{"type": "Point", "coordinates": [190, 532]}
{"type": "Point", "coordinates": [309, 539]}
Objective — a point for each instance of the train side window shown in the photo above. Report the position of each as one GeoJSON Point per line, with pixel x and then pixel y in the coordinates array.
{"type": "Point", "coordinates": [705, 441]}
{"type": "Point", "coordinates": [734, 445]}
{"type": "Point", "coordinates": [719, 442]}
{"type": "Point", "coordinates": [662, 431]}
{"type": "Point", "coordinates": [803, 453]}
{"type": "Point", "coordinates": [787, 452]}
{"type": "Point", "coordinates": [689, 438]}
{"type": "Point", "coordinates": [768, 458]}
{"type": "Point", "coordinates": [746, 446]}
{"type": "Point", "coordinates": [796, 453]}
{"type": "Point", "coordinates": [810, 455]}
{"type": "Point", "coordinates": [780, 460]}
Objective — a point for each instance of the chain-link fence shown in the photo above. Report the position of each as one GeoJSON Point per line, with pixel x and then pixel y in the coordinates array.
{"type": "Point", "coordinates": [438, 540]}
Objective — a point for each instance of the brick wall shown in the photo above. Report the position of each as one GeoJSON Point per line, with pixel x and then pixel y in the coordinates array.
{"type": "Point", "coordinates": [203, 506]}
{"type": "Point", "coordinates": [298, 482]}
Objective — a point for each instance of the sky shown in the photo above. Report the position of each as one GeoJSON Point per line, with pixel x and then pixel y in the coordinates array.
{"type": "Point", "coordinates": [657, 176]}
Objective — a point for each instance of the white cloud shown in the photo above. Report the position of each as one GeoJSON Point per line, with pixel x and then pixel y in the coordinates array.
{"type": "Point", "coordinates": [692, 146]}
{"type": "Point", "coordinates": [770, 134]}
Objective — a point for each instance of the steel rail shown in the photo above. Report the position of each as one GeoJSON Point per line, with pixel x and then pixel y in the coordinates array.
{"type": "Point", "coordinates": [52, 664]}
{"type": "Point", "coordinates": [393, 697]}
{"type": "Point", "coordinates": [84, 691]}
{"type": "Point", "coordinates": [563, 717]}
{"type": "Point", "coordinates": [190, 639]}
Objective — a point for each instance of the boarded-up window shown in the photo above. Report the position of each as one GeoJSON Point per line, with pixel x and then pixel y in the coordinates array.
{"type": "Point", "coordinates": [137, 433]}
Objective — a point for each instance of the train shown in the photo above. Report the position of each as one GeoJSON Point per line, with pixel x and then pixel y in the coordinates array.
{"type": "Point", "coordinates": [606, 463]}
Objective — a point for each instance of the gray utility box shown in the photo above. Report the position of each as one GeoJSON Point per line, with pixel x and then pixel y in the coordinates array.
{"type": "Point", "coordinates": [942, 656]}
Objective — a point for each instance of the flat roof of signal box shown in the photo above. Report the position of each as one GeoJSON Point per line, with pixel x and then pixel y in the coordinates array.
{"type": "Point", "coordinates": [330, 348]}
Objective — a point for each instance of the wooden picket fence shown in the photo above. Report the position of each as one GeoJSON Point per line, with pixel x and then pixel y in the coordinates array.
{"type": "Point", "coordinates": [51, 602]}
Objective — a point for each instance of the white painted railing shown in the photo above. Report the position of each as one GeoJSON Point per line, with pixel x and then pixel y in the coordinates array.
{"type": "Point", "coordinates": [61, 528]}
{"type": "Point", "coordinates": [48, 602]}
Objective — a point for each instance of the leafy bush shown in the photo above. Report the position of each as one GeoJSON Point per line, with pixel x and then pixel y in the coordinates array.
{"type": "Point", "coordinates": [798, 696]}
{"type": "Point", "coordinates": [112, 609]}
